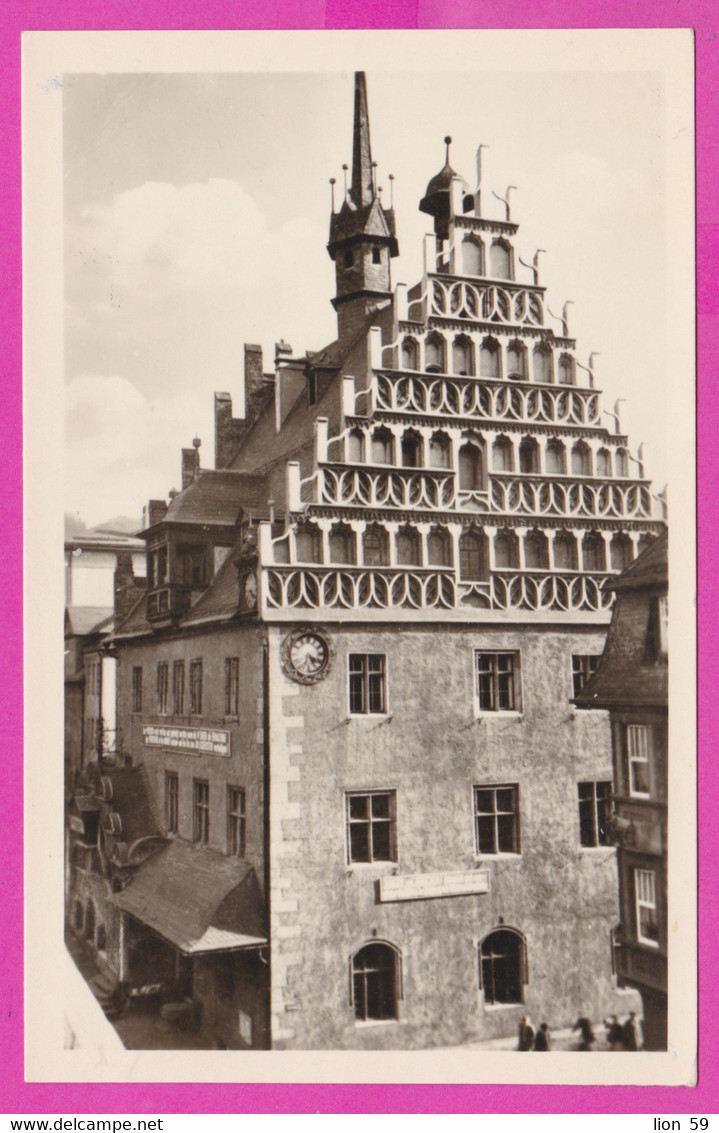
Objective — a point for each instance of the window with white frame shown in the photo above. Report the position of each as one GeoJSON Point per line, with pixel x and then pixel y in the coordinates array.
{"type": "Point", "coordinates": [496, 819]}
{"type": "Point", "coordinates": [645, 893]}
{"type": "Point", "coordinates": [498, 687]}
{"type": "Point", "coordinates": [371, 826]}
{"type": "Point", "coordinates": [367, 684]}
{"type": "Point", "coordinates": [638, 760]}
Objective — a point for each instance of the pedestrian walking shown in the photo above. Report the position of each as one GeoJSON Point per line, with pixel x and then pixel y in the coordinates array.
{"type": "Point", "coordinates": [615, 1033]}
{"type": "Point", "coordinates": [630, 1033]}
{"type": "Point", "coordinates": [541, 1041]}
{"type": "Point", "coordinates": [587, 1038]}
{"type": "Point", "coordinates": [526, 1034]}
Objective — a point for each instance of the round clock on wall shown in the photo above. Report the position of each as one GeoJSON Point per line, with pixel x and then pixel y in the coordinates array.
{"type": "Point", "coordinates": [306, 656]}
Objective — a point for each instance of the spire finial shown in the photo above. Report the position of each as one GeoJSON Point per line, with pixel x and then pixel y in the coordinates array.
{"type": "Point", "coordinates": [391, 190]}
{"type": "Point", "coordinates": [333, 182]}
{"type": "Point", "coordinates": [362, 176]}
{"type": "Point", "coordinates": [345, 167]}
{"type": "Point", "coordinates": [447, 142]}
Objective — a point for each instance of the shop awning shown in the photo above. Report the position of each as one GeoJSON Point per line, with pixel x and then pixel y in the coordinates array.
{"type": "Point", "coordinates": [197, 900]}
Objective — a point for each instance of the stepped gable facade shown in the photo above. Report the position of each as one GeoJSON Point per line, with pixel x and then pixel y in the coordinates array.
{"type": "Point", "coordinates": [354, 661]}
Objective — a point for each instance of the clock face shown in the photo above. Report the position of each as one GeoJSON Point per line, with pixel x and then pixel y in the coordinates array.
{"type": "Point", "coordinates": [250, 591]}
{"type": "Point", "coordinates": [306, 656]}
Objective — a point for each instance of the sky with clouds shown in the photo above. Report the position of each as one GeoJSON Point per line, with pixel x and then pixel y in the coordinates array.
{"type": "Point", "coordinates": [196, 214]}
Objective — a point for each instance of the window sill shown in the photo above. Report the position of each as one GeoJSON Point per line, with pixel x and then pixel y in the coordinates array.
{"type": "Point", "coordinates": [503, 1006]}
{"type": "Point", "coordinates": [606, 851]}
{"type": "Point", "coordinates": [503, 856]}
{"type": "Point", "coordinates": [500, 714]}
{"type": "Point", "coordinates": [362, 1023]}
{"type": "Point", "coordinates": [381, 868]}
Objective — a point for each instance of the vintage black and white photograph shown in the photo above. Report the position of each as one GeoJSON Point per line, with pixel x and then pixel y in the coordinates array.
{"type": "Point", "coordinates": [377, 414]}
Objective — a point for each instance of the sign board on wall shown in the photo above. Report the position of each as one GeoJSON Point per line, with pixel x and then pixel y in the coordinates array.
{"type": "Point", "coordinates": [199, 741]}
{"type": "Point", "coordinates": [417, 886]}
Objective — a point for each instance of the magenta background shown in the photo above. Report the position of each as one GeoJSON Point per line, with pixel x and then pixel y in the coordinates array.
{"type": "Point", "coordinates": [16, 1096]}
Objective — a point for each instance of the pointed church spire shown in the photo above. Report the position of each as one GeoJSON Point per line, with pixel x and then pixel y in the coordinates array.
{"type": "Point", "coordinates": [362, 181]}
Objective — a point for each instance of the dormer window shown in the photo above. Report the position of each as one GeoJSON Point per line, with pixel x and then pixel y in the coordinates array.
{"type": "Point", "coordinates": [192, 566]}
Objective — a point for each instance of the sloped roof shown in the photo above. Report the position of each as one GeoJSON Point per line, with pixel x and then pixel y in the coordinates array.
{"type": "Point", "coordinates": [216, 498]}
{"type": "Point", "coordinates": [183, 891]}
{"type": "Point", "coordinates": [649, 569]}
{"type": "Point", "coordinates": [136, 621]}
{"type": "Point", "coordinates": [132, 800]}
{"type": "Point", "coordinates": [220, 600]}
{"type": "Point", "coordinates": [83, 620]}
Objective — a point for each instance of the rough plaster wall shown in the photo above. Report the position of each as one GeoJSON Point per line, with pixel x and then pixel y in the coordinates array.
{"type": "Point", "coordinates": [432, 751]}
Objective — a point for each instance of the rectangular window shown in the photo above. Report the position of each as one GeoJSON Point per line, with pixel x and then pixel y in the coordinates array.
{"type": "Point", "coordinates": [638, 759]}
{"type": "Point", "coordinates": [137, 689]}
{"type": "Point", "coordinates": [171, 801]}
{"type": "Point", "coordinates": [584, 666]}
{"type": "Point", "coordinates": [178, 688]}
{"type": "Point", "coordinates": [372, 826]}
{"type": "Point", "coordinates": [646, 906]}
{"type": "Point", "coordinates": [196, 687]}
{"type": "Point", "coordinates": [496, 819]}
{"type": "Point", "coordinates": [232, 686]}
{"type": "Point", "coordinates": [162, 688]}
{"type": "Point", "coordinates": [367, 683]}
{"type": "Point", "coordinates": [595, 805]}
{"type": "Point", "coordinates": [236, 821]}
{"type": "Point", "coordinates": [200, 811]}
{"type": "Point", "coordinates": [498, 686]}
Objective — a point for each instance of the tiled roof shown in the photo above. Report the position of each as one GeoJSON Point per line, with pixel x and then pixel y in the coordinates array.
{"type": "Point", "coordinates": [83, 620]}
{"type": "Point", "coordinates": [216, 498]}
{"type": "Point", "coordinates": [136, 621]}
{"type": "Point", "coordinates": [132, 800]}
{"type": "Point", "coordinates": [220, 600]}
{"type": "Point", "coordinates": [183, 891]}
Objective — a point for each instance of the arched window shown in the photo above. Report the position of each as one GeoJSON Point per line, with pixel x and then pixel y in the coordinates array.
{"type": "Point", "coordinates": [470, 468]}
{"type": "Point", "coordinates": [382, 447]}
{"type": "Point", "coordinates": [489, 358]}
{"type": "Point", "coordinates": [355, 446]}
{"type": "Point", "coordinates": [376, 981]}
{"type": "Point", "coordinates": [439, 547]}
{"type": "Point", "coordinates": [409, 354]}
{"type": "Point", "coordinates": [434, 354]}
{"type": "Point", "coordinates": [620, 551]}
{"type": "Point", "coordinates": [308, 544]}
{"type": "Point", "coordinates": [375, 546]}
{"type": "Point", "coordinates": [502, 455]}
{"type": "Point", "coordinates": [411, 449]}
{"type": "Point", "coordinates": [556, 458]}
{"type": "Point", "coordinates": [542, 364]}
{"type": "Point", "coordinates": [408, 547]}
{"type": "Point", "coordinates": [90, 919]}
{"type": "Point", "coordinates": [529, 455]}
{"type": "Point", "coordinates": [604, 462]}
{"type": "Point", "coordinates": [503, 967]}
{"type": "Point", "coordinates": [536, 551]}
{"type": "Point", "coordinates": [472, 556]}
{"type": "Point", "coordinates": [472, 258]}
{"type": "Point", "coordinates": [516, 361]}
{"type": "Point", "coordinates": [506, 552]}
{"type": "Point", "coordinates": [439, 451]}
{"type": "Point", "coordinates": [101, 938]}
{"type": "Point", "coordinates": [500, 260]}
{"type": "Point", "coordinates": [594, 555]}
{"type": "Point", "coordinates": [342, 544]}
{"type": "Point", "coordinates": [565, 551]}
{"type": "Point", "coordinates": [462, 362]}
{"type": "Point", "coordinates": [621, 464]}
{"type": "Point", "coordinates": [565, 370]}
{"type": "Point", "coordinates": [581, 460]}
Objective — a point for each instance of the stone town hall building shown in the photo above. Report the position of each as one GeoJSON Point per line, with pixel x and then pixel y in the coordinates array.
{"type": "Point", "coordinates": [352, 805]}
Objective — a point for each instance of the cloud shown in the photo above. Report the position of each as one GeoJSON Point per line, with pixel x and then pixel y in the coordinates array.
{"type": "Point", "coordinates": [123, 448]}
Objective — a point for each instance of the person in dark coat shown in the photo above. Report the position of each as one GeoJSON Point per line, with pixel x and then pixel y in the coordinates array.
{"type": "Point", "coordinates": [541, 1041]}
{"type": "Point", "coordinates": [630, 1033]}
{"type": "Point", "coordinates": [588, 1040]}
{"type": "Point", "coordinates": [526, 1034]}
{"type": "Point", "coordinates": [615, 1033]}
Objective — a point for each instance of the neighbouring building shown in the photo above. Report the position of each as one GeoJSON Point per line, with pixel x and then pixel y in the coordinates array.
{"type": "Point", "coordinates": [631, 682]}
{"type": "Point", "coordinates": [346, 691]}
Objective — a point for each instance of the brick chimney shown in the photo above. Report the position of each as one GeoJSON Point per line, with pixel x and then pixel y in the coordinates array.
{"type": "Point", "coordinates": [155, 512]}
